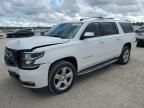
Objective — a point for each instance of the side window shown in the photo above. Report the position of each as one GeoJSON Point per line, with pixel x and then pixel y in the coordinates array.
{"type": "Point", "coordinates": [127, 27]}
{"type": "Point", "coordinates": [108, 28]}
{"type": "Point", "coordinates": [93, 27]}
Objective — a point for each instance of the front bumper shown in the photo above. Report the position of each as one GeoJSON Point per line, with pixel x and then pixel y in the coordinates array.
{"type": "Point", "coordinates": [37, 78]}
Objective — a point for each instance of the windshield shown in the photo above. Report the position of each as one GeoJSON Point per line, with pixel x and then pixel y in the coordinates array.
{"type": "Point", "coordinates": [65, 30]}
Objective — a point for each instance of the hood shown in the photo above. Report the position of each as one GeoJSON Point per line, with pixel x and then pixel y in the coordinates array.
{"type": "Point", "coordinates": [32, 42]}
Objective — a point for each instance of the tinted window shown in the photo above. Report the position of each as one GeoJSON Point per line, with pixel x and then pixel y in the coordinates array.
{"type": "Point", "coordinates": [108, 28]}
{"type": "Point", "coordinates": [64, 30]}
{"type": "Point", "coordinates": [127, 27]}
{"type": "Point", "coordinates": [94, 27]}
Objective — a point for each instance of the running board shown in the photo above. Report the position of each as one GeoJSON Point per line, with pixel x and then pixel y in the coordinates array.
{"type": "Point", "coordinates": [96, 67]}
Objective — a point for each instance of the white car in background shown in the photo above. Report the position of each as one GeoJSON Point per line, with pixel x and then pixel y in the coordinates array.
{"type": "Point", "coordinates": [2, 34]}
{"type": "Point", "coordinates": [68, 50]}
{"type": "Point", "coordinates": [140, 36]}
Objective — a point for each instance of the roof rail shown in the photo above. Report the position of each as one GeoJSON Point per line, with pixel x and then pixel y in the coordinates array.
{"type": "Point", "coordinates": [94, 17]}
{"type": "Point", "coordinates": [90, 18]}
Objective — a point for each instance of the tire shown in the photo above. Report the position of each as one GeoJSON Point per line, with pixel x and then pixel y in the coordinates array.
{"type": "Point", "coordinates": [62, 76]}
{"type": "Point", "coordinates": [125, 56]}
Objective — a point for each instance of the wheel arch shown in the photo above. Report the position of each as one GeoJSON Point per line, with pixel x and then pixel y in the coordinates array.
{"type": "Point", "coordinates": [70, 59]}
{"type": "Point", "coordinates": [128, 44]}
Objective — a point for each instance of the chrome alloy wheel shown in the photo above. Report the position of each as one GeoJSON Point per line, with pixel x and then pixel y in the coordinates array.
{"type": "Point", "coordinates": [63, 78]}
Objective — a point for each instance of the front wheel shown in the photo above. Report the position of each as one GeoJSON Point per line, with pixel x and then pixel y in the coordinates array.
{"type": "Point", "coordinates": [61, 77]}
{"type": "Point", "coordinates": [125, 56]}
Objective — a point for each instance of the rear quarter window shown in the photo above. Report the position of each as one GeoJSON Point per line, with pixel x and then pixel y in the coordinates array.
{"type": "Point", "coordinates": [127, 27]}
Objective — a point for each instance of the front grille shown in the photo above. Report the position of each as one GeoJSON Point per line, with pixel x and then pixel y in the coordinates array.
{"type": "Point", "coordinates": [11, 57]}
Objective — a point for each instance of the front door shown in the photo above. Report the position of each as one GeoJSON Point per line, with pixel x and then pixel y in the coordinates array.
{"type": "Point", "coordinates": [91, 48]}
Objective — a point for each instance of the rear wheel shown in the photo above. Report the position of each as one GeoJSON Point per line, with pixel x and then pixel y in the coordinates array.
{"type": "Point", "coordinates": [61, 77]}
{"type": "Point", "coordinates": [125, 55]}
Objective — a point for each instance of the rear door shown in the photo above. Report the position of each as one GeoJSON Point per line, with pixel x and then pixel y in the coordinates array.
{"type": "Point", "coordinates": [110, 40]}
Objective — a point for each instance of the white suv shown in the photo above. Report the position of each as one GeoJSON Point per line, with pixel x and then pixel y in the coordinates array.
{"type": "Point", "coordinates": [69, 49]}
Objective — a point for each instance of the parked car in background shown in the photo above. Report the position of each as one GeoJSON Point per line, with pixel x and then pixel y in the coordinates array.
{"type": "Point", "coordinates": [2, 34]}
{"type": "Point", "coordinates": [140, 30]}
{"type": "Point", "coordinates": [43, 32]}
{"type": "Point", "coordinates": [20, 33]}
{"type": "Point", "coordinates": [140, 36]}
{"type": "Point", "coordinates": [136, 27]}
{"type": "Point", "coordinates": [140, 39]}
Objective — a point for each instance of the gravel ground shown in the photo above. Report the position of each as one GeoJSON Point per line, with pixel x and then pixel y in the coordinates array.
{"type": "Point", "coordinates": [114, 86]}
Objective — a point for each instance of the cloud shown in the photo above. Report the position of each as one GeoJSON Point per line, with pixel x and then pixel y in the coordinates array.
{"type": "Point", "coordinates": [107, 2]}
{"type": "Point", "coordinates": [47, 12]}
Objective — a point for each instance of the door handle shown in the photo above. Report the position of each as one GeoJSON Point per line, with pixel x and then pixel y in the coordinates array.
{"type": "Point", "coordinates": [118, 39]}
{"type": "Point", "coordinates": [101, 42]}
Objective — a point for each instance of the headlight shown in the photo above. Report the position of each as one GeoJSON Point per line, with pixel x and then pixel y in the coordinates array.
{"type": "Point", "coordinates": [28, 59]}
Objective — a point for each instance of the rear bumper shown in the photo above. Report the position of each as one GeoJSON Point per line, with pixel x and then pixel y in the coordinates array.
{"type": "Point", "coordinates": [141, 41]}
{"type": "Point", "coordinates": [37, 78]}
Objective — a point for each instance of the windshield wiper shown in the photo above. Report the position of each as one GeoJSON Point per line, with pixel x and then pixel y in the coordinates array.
{"type": "Point", "coordinates": [57, 36]}
{"type": "Point", "coordinates": [54, 36]}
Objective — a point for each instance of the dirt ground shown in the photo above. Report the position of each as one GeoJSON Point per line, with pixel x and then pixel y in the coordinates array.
{"type": "Point", "coordinates": [114, 86]}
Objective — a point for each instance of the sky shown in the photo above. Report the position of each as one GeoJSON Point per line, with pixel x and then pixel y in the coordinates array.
{"type": "Point", "coordinates": [49, 12]}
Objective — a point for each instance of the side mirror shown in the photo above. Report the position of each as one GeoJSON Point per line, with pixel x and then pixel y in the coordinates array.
{"type": "Point", "coordinates": [88, 35]}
